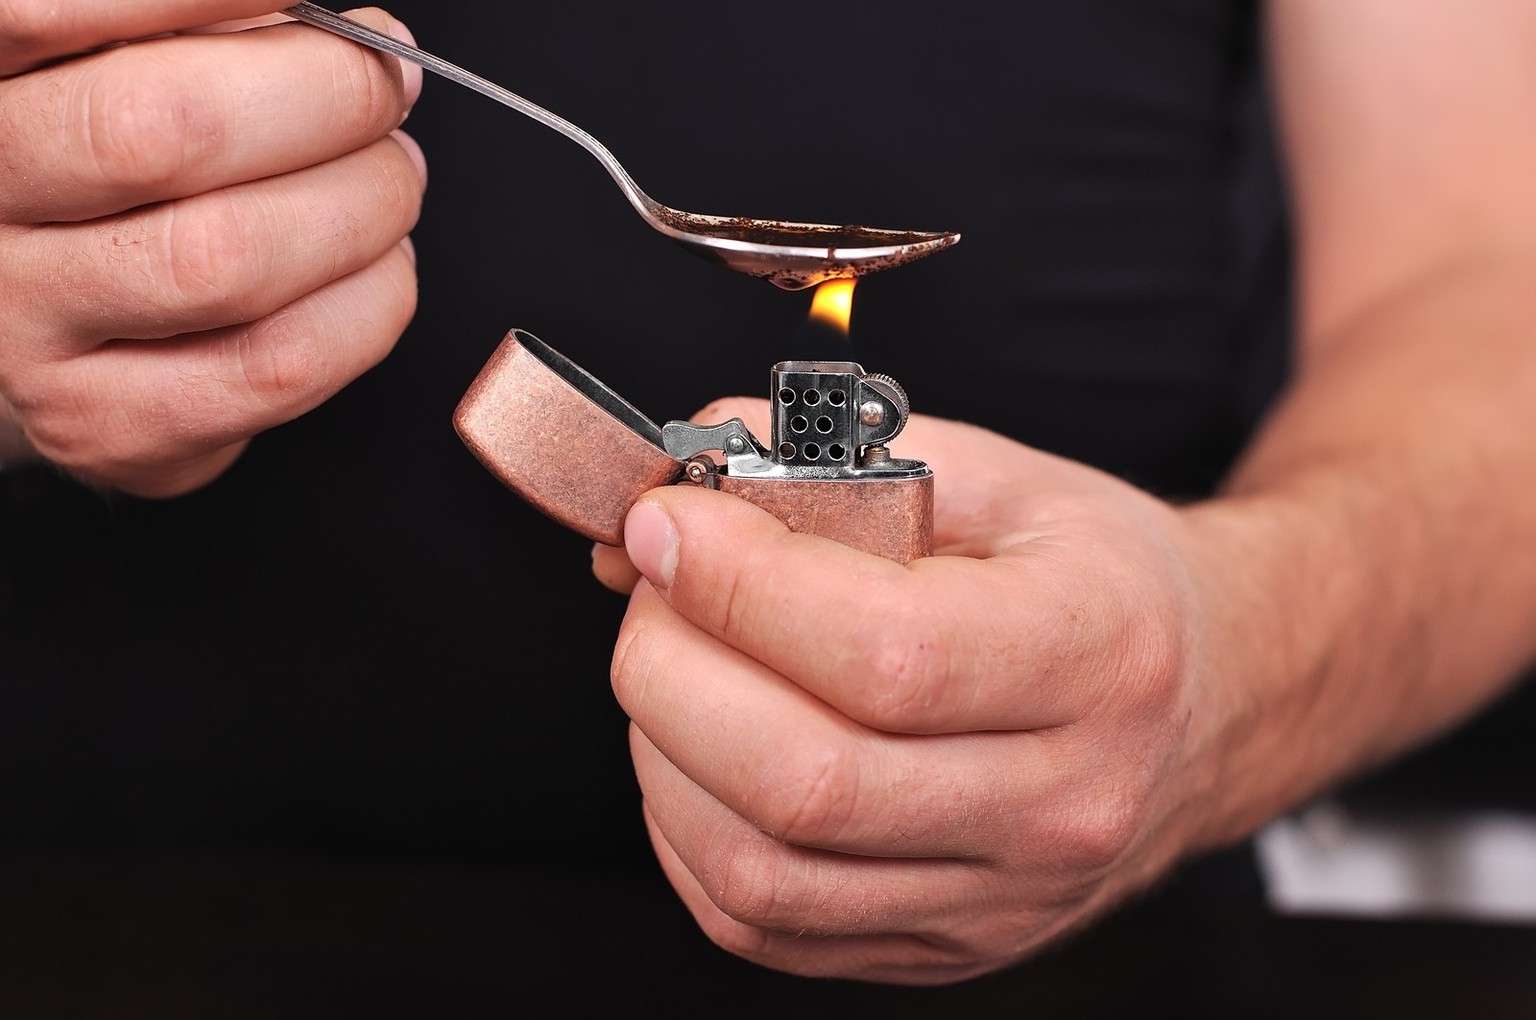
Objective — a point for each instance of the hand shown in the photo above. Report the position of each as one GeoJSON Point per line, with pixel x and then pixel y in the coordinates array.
{"type": "Point", "coordinates": [918, 774]}
{"type": "Point", "coordinates": [202, 233]}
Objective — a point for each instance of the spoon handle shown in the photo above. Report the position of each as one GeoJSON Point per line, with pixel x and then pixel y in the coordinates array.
{"type": "Point", "coordinates": [343, 26]}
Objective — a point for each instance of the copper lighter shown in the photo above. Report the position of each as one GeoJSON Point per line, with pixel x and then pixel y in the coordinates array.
{"type": "Point", "coordinates": [582, 455]}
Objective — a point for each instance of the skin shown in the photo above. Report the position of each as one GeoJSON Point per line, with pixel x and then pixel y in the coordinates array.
{"type": "Point", "coordinates": [855, 768]}
{"type": "Point", "coordinates": [922, 773]}
{"type": "Point", "coordinates": [183, 270]}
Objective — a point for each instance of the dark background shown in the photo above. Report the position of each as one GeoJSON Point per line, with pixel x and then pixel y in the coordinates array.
{"type": "Point", "coordinates": [333, 736]}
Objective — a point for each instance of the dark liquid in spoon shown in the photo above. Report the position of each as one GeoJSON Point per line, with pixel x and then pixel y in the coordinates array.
{"type": "Point", "coordinates": [753, 231]}
{"type": "Point", "coordinates": [855, 247]}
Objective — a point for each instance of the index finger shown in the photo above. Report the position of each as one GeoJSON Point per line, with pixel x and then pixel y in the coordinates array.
{"type": "Point", "coordinates": [188, 114]}
{"type": "Point", "coordinates": [32, 32]}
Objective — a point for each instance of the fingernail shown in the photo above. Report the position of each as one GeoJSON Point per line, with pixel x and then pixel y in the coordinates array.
{"type": "Point", "coordinates": [412, 71]}
{"type": "Point", "coordinates": [651, 539]}
{"type": "Point", "coordinates": [413, 150]}
{"type": "Point", "coordinates": [409, 247]}
{"type": "Point", "coordinates": [400, 31]}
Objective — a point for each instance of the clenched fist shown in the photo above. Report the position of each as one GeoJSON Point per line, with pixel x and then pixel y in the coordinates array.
{"type": "Point", "coordinates": [204, 211]}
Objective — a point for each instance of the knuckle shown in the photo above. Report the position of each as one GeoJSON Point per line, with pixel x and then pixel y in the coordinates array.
{"type": "Point", "coordinates": [1100, 831]}
{"type": "Point", "coordinates": [153, 444]}
{"type": "Point", "coordinates": [84, 436]}
{"type": "Point", "coordinates": [630, 665]}
{"type": "Point", "coordinates": [144, 127]}
{"type": "Point", "coordinates": [751, 882]}
{"type": "Point", "coordinates": [387, 197]}
{"type": "Point", "coordinates": [906, 666]}
{"type": "Point", "coordinates": [732, 936]}
{"type": "Point", "coordinates": [26, 27]}
{"type": "Point", "coordinates": [279, 368]}
{"type": "Point", "coordinates": [373, 89]}
{"type": "Point", "coordinates": [209, 257]}
{"type": "Point", "coordinates": [401, 186]}
{"type": "Point", "coordinates": [807, 796]}
{"type": "Point", "coordinates": [730, 602]}
{"type": "Point", "coordinates": [50, 433]}
{"type": "Point", "coordinates": [1152, 657]}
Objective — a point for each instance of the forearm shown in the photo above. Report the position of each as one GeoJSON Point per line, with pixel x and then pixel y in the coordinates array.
{"type": "Point", "coordinates": [1373, 543]}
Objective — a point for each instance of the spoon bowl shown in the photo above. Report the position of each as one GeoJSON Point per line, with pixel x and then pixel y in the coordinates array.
{"type": "Point", "coordinates": [790, 255]}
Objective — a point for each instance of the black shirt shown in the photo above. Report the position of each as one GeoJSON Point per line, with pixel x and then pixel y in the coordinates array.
{"type": "Point", "coordinates": [357, 644]}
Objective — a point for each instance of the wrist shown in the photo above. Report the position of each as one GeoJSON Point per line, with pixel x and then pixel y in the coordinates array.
{"type": "Point", "coordinates": [1271, 588]}
{"type": "Point", "coordinates": [1347, 617]}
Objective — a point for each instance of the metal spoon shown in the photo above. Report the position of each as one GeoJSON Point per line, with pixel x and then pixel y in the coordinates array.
{"type": "Point", "coordinates": [789, 255]}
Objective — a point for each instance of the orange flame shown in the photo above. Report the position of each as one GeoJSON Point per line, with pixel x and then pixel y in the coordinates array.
{"type": "Point", "coordinates": [833, 303]}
